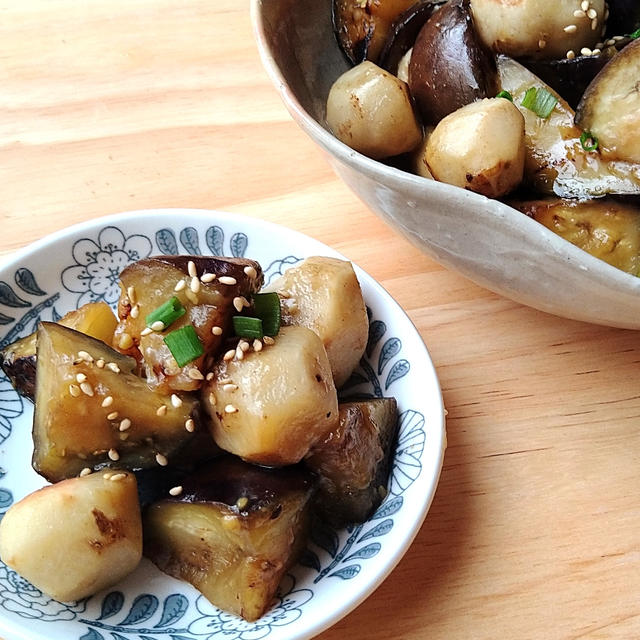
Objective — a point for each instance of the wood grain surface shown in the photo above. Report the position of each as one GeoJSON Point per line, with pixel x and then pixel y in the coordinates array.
{"type": "Point", "coordinates": [113, 105]}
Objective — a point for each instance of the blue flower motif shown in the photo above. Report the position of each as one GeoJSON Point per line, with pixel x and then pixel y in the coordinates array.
{"type": "Point", "coordinates": [99, 263]}
{"type": "Point", "coordinates": [11, 406]}
{"type": "Point", "coordinates": [19, 596]}
{"type": "Point", "coordinates": [287, 610]}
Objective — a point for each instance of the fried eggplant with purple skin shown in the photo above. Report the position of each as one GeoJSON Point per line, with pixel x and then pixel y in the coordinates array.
{"type": "Point", "coordinates": [361, 27]}
{"type": "Point", "coordinates": [18, 360]}
{"type": "Point", "coordinates": [605, 228]}
{"type": "Point", "coordinates": [232, 532]}
{"type": "Point", "coordinates": [353, 461]}
{"type": "Point", "coordinates": [449, 66]}
{"type": "Point", "coordinates": [92, 410]}
{"type": "Point", "coordinates": [207, 290]}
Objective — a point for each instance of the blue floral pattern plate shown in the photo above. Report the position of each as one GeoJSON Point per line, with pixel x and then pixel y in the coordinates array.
{"type": "Point", "coordinates": [339, 568]}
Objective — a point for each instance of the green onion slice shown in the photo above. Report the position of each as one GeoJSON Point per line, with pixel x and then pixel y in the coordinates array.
{"type": "Point", "coordinates": [588, 141]}
{"type": "Point", "coordinates": [506, 95]}
{"type": "Point", "coordinates": [184, 344]}
{"type": "Point", "coordinates": [167, 313]}
{"type": "Point", "coordinates": [266, 306]}
{"type": "Point", "coordinates": [540, 101]}
{"type": "Point", "coordinates": [247, 327]}
{"type": "Point", "coordinates": [635, 34]}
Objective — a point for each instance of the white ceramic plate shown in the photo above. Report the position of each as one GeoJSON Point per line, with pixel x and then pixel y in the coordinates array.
{"type": "Point", "coordinates": [340, 568]}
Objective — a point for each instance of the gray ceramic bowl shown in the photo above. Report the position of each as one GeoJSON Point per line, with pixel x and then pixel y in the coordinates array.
{"type": "Point", "coordinates": [489, 242]}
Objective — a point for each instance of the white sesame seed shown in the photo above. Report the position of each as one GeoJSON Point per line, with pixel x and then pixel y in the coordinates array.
{"type": "Point", "coordinates": [212, 399]}
{"type": "Point", "coordinates": [579, 13]}
{"type": "Point", "coordinates": [542, 44]}
{"type": "Point", "coordinates": [230, 409]}
{"type": "Point", "coordinates": [230, 280]}
{"type": "Point", "coordinates": [229, 387]}
{"type": "Point", "coordinates": [584, 5]}
{"type": "Point", "coordinates": [242, 502]}
{"type": "Point", "coordinates": [207, 277]}
{"type": "Point", "coordinates": [229, 355]}
{"type": "Point", "coordinates": [570, 28]}
{"type": "Point", "coordinates": [239, 354]}
{"type": "Point", "coordinates": [594, 24]}
{"type": "Point", "coordinates": [237, 303]}
{"type": "Point", "coordinates": [257, 345]}
{"type": "Point", "coordinates": [131, 294]}
{"type": "Point", "coordinates": [113, 455]}
{"type": "Point", "coordinates": [161, 460]}
{"type": "Point", "coordinates": [617, 38]}
{"type": "Point", "coordinates": [74, 390]}
{"type": "Point", "coordinates": [250, 271]}
{"type": "Point", "coordinates": [191, 268]}
{"type": "Point", "coordinates": [85, 472]}
{"type": "Point", "coordinates": [176, 401]}
{"type": "Point", "coordinates": [610, 42]}
{"type": "Point", "coordinates": [107, 475]}
{"type": "Point", "coordinates": [195, 285]}
{"type": "Point", "coordinates": [570, 54]}
{"type": "Point", "coordinates": [595, 52]}
{"type": "Point", "coordinates": [124, 435]}
{"type": "Point", "coordinates": [135, 311]}
{"type": "Point", "coordinates": [244, 345]}
{"type": "Point", "coordinates": [116, 477]}
{"type": "Point", "coordinates": [84, 355]}
{"type": "Point", "coordinates": [107, 402]}
{"type": "Point", "coordinates": [86, 388]}
{"type": "Point", "coordinates": [217, 331]}
{"type": "Point", "coordinates": [191, 297]}
{"type": "Point", "coordinates": [80, 377]}
{"type": "Point", "coordinates": [125, 341]}
{"type": "Point", "coordinates": [113, 367]}
{"type": "Point", "coordinates": [209, 376]}
{"type": "Point", "coordinates": [268, 340]}
{"type": "Point", "coordinates": [175, 491]}
{"type": "Point", "coordinates": [195, 374]}
{"type": "Point", "coordinates": [190, 425]}
{"type": "Point", "coordinates": [585, 51]}
{"type": "Point", "coordinates": [592, 13]}
{"type": "Point", "coordinates": [161, 410]}
{"type": "Point", "coordinates": [158, 325]}
{"type": "Point", "coordinates": [146, 331]}
{"type": "Point", "coordinates": [113, 415]}
{"type": "Point", "coordinates": [100, 363]}
{"type": "Point", "coordinates": [125, 424]}
{"type": "Point", "coordinates": [180, 285]}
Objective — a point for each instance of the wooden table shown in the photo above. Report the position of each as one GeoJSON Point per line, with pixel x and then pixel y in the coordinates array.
{"type": "Point", "coordinates": [112, 105]}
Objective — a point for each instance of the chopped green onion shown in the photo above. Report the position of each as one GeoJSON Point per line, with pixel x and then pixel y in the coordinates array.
{"type": "Point", "coordinates": [635, 34]}
{"type": "Point", "coordinates": [540, 101]}
{"type": "Point", "coordinates": [167, 313]}
{"type": "Point", "coordinates": [588, 141]}
{"type": "Point", "coordinates": [184, 344]}
{"type": "Point", "coordinates": [247, 327]}
{"type": "Point", "coordinates": [266, 306]}
{"type": "Point", "coordinates": [506, 95]}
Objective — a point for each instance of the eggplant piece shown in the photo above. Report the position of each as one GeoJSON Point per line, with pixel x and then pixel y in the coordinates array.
{"type": "Point", "coordinates": [353, 461]}
{"type": "Point", "coordinates": [232, 532]}
{"type": "Point", "coordinates": [610, 107]}
{"type": "Point", "coordinates": [361, 26]}
{"type": "Point", "coordinates": [18, 360]}
{"type": "Point", "coordinates": [92, 410]}
{"type": "Point", "coordinates": [324, 295]}
{"type": "Point", "coordinates": [555, 161]}
{"type": "Point", "coordinates": [149, 283]}
{"type": "Point", "coordinates": [271, 406]}
{"type": "Point", "coordinates": [449, 66]}
{"type": "Point", "coordinates": [76, 537]}
{"type": "Point", "coordinates": [606, 228]}
{"type": "Point", "coordinates": [404, 31]}
{"type": "Point", "coordinates": [570, 78]}
{"type": "Point", "coordinates": [624, 17]}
